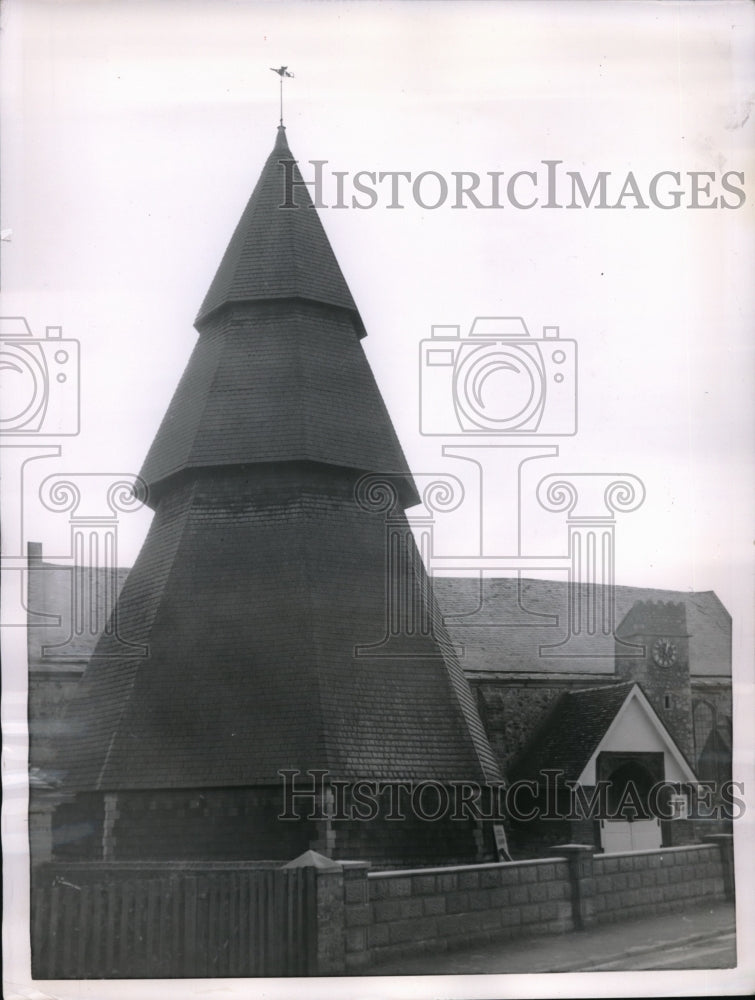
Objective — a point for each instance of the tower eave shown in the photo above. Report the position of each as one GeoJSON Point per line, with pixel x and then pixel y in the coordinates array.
{"type": "Point", "coordinates": [205, 315]}
{"type": "Point", "coordinates": [405, 486]}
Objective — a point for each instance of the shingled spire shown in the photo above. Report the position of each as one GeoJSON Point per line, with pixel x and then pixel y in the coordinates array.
{"type": "Point", "coordinates": [279, 251]}
{"type": "Point", "coordinates": [258, 580]}
{"type": "Point", "coordinates": [278, 373]}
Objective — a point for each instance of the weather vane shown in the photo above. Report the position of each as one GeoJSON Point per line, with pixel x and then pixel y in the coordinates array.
{"type": "Point", "coordinates": [281, 71]}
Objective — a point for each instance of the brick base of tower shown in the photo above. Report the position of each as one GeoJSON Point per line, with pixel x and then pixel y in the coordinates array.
{"type": "Point", "coordinates": [243, 824]}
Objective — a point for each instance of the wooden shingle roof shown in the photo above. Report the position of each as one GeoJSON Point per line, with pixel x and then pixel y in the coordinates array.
{"type": "Point", "coordinates": [262, 576]}
{"type": "Point", "coordinates": [279, 252]}
{"type": "Point", "coordinates": [278, 372]}
{"type": "Point", "coordinates": [252, 594]}
{"type": "Point", "coordinates": [277, 381]}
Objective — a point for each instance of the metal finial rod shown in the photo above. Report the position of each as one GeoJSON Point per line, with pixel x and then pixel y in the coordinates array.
{"type": "Point", "coordinates": [281, 71]}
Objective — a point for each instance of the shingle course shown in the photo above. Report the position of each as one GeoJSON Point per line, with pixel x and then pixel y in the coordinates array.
{"type": "Point", "coordinates": [252, 601]}
{"type": "Point", "coordinates": [277, 252]}
{"type": "Point", "coordinates": [278, 382]}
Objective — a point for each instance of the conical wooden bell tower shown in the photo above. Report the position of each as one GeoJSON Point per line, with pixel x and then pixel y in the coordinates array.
{"type": "Point", "coordinates": [258, 580]}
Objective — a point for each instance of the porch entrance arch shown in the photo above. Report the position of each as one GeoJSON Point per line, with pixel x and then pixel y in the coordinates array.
{"type": "Point", "coordinates": [630, 778]}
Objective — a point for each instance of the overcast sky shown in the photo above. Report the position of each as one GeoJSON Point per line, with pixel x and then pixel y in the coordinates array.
{"type": "Point", "coordinates": [133, 134]}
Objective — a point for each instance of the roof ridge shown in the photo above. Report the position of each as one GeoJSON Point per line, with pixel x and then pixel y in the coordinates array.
{"type": "Point", "coordinates": [619, 586]}
{"type": "Point", "coordinates": [601, 687]}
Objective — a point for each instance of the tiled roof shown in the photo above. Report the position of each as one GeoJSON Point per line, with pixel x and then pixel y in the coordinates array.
{"type": "Point", "coordinates": [505, 624]}
{"type": "Point", "coordinates": [252, 594]}
{"type": "Point", "coordinates": [571, 732]}
{"type": "Point", "coordinates": [271, 382]}
{"type": "Point", "coordinates": [278, 252]}
{"type": "Point", "coordinates": [54, 643]}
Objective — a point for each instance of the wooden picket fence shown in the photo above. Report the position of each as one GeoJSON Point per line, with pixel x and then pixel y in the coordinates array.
{"type": "Point", "coordinates": [245, 923]}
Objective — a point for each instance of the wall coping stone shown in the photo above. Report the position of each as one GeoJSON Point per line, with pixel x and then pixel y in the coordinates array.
{"type": "Point", "coordinates": [658, 850]}
{"type": "Point", "coordinates": [183, 867]}
{"type": "Point", "coordinates": [451, 869]}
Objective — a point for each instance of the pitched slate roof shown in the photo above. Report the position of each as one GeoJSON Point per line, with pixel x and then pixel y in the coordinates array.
{"type": "Point", "coordinates": [572, 731]}
{"type": "Point", "coordinates": [277, 252]}
{"type": "Point", "coordinates": [252, 593]}
{"type": "Point", "coordinates": [502, 623]}
{"type": "Point", "coordinates": [279, 381]}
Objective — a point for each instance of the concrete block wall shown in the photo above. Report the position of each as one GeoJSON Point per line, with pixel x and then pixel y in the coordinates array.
{"type": "Point", "coordinates": [650, 882]}
{"type": "Point", "coordinates": [391, 914]}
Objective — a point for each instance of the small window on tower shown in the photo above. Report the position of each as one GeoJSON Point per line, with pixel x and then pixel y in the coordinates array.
{"type": "Point", "coordinates": [667, 701]}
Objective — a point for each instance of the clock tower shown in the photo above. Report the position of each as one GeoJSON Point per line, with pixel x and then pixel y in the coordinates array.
{"type": "Point", "coordinates": [660, 665]}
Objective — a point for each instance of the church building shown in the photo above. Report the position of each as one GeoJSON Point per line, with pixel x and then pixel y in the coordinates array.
{"type": "Point", "coordinates": [257, 662]}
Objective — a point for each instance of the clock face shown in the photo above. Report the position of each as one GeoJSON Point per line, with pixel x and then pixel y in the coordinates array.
{"type": "Point", "coordinates": [664, 652]}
